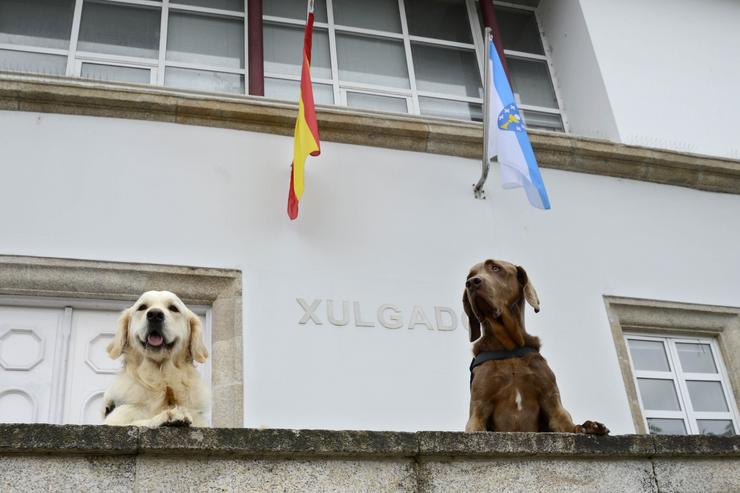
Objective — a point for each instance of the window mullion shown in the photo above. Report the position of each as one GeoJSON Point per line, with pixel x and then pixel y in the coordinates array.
{"type": "Point", "coordinates": [409, 59]}
{"type": "Point", "coordinates": [333, 52]}
{"type": "Point", "coordinates": [163, 41]}
{"type": "Point", "coordinates": [75, 34]}
{"type": "Point", "coordinates": [683, 393]}
{"type": "Point", "coordinates": [478, 40]}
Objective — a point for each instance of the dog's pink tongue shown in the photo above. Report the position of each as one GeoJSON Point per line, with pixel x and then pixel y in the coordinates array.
{"type": "Point", "coordinates": [154, 340]}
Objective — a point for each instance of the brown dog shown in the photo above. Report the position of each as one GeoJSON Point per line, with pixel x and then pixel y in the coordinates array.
{"type": "Point", "coordinates": [512, 387]}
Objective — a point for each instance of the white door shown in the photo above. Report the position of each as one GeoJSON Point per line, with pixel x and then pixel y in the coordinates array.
{"type": "Point", "coordinates": [28, 343]}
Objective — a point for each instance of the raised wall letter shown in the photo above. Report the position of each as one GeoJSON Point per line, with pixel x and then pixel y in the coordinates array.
{"type": "Point", "coordinates": [309, 311]}
{"type": "Point", "coordinates": [330, 313]}
{"type": "Point", "coordinates": [395, 321]}
{"type": "Point", "coordinates": [358, 317]}
{"type": "Point", "coordinates": [418, 317]}
{"type": "Point", "coordinates": [438, 311]}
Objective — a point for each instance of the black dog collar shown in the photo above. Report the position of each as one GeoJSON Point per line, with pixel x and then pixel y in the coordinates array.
{"type": "Point", "coordinates": [494, 355]}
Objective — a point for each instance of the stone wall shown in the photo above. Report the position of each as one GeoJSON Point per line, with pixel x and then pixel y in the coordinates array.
{"type": "Point", "coordinates": [99, 458]}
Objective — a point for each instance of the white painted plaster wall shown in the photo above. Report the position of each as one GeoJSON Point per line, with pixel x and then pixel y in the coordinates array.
{"type": "Point", "coordinates": [376, 226]}
{"type": "Point", "coordinates": [671, 71]}
{"type": "Point", "coordinates": [581, 87]}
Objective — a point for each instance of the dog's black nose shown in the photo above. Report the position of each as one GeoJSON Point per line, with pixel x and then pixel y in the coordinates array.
{"type": "Point", "coordinates": [473, 282]}
{"type": "Point", "coordinates": [155, 315]}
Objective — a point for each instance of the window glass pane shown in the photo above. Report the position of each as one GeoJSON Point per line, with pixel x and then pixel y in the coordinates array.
{"type": "Point", "coordinates": [543, 121]}
{"type": "Point", "coordinates": [715, 427]}
{"type": "Point", "coordinates": [659, 395]}
{"type": "Point", "coordinates": [288, 90]}
{"type": "Point", "coordinates": [237, 5]}
{"type": "Point", "coordinates": [283, 47]}
{"type": "Point", "coordinates": [294, 9]}
{"type": "Point", "coordinates": [376, 102]}
{"type": "Point", "coordinates": [696, 358]}
{"type": "Point", "coordinates": [446, 70]}
{"type": "Point", "coordinates": [531, 80]}
{"type": "Point", "coordinates": [441, 19]}
{"type": "Point", "coordinates": [206, 40]}
{"type": "Point", "coordinates": [37, 23]}
{"type": "Point", "coordinates": [119, 29]}
{"type": "Point", "coordinates": [201, 80]}
{"type": "Point", "coordinates": [444, 108]}
{"type": "Point", "coordinates": [116, 73]}
{"type": "Point", "coordinates": [661, 426]}
{"type": "Point", "coordinates": [381, 15]}
{"type": "Point", "coordinates": [519, 30]}
{"type": "Point", "coordinates": [20, 61]}
{"type": "Point", "coordinates": [647, 355]}
{"type": "Point", "coordinates": [707, 396]}
{"type": "Point", "coordinates": [372, 61]}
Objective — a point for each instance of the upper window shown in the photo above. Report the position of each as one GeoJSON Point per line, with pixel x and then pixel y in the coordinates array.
{"type": "Point", "coordinates": [682, 385]}
{"type": "Point", "coordinates": [405, 56]}
{"type": "Point", "coordinates": [188, 44]}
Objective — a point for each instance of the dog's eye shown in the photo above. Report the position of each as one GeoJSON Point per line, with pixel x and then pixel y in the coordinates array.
{"type": "Point", "coordinates": [173, 308]}
{"type": "Point", "coordinates": [142, 307]}
{"type": "Point", "coordinates": [495, 268]}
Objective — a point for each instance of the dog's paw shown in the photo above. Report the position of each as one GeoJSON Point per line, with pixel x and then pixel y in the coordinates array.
{"type": "Point", "coordinates": [177, 418]}
{"type": "Point", "coordinates": [593, 428]}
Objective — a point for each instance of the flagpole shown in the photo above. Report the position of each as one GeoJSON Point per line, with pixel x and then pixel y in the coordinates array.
{"type": "Point", "coordinates": [478, 191]}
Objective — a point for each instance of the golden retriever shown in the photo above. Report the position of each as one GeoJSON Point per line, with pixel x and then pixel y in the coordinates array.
{"type": "Point", "coordinates": [159, 385]}
{"type": "Point", "coordinates": [512, 387]}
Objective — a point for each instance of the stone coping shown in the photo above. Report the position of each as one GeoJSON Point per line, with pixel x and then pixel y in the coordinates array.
{"type": "Point", "coordinates": [63, 95]}
{"type": "Point", "coordinates": [244, 442]}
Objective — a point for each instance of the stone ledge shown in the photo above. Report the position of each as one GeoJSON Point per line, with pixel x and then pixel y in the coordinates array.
{"type": "Point", "coordinates": [559, 151]}
{"type": "Point", "coordinates": [31, 439]}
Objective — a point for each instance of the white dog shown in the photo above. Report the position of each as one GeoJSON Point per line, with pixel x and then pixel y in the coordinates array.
{"type": "Point", "coordinates": [159, 338]}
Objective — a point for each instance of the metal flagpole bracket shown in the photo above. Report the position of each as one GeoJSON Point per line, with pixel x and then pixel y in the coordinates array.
{"type": "Point", "coordinates": [478, 191]}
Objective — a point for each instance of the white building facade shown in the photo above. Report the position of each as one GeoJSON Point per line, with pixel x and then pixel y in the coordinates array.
{"type": "Point", "coordinates": [351, 316]}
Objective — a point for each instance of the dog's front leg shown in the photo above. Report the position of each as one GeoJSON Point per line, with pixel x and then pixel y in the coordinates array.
{"type": "Point", "coordinates": [480, 415]}
{"type": "Point", "coordinates": [559, 420]}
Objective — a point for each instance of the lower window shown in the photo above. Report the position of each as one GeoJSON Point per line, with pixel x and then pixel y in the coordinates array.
{"type": "Point", "coordinates": [682, 385]}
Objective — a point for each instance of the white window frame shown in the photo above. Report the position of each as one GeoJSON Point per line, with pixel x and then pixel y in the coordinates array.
{"type": "Point", "coordinates": [62, 346]}
{"type": "Point", "coordinates": [678, 377]}
{"type": "Point", "coordinates": [543, 58]}
{"type": "Point", "coordinates": [160, 64]}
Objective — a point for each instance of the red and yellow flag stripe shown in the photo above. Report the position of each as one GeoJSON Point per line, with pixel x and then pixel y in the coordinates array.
{"type": "Point", "coordinates": [306, 127]}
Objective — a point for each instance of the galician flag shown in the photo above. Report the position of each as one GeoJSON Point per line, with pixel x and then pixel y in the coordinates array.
{"type": "Point", "coordinates": [506, 136]}
{"type": "Point", "coordinates": [306, 127]}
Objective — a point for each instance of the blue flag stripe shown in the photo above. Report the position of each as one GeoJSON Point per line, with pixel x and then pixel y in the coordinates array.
{"type": "Point", "coordinates": [501, 83]}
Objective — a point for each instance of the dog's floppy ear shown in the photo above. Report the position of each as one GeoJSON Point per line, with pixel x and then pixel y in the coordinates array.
{"type": "Point", "coordinates": [198, 349]}
{"type": "Point", "coordinates": [529, 292]}
{"type": "Point", "coordinates": [472, 319]}
{"type": "Point", "coordinates": [120, 340]}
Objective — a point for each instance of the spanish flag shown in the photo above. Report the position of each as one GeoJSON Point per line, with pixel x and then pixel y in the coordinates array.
{"type": "Point", "coordinates": [306, 126]}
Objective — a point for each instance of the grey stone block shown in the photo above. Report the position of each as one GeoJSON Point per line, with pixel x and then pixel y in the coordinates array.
{"type": "Point", "coordinates": [167, 474]}
{"type": "Point", "coordinates": [537, 475]}
{"type": "Point", "coordinates": [692, 476]}
{"type": "Point", "coordinates": [533, 444]}
{"type": "Point", "coordinates": [281, 443]}
{"type": "Point", "coordinates": [61, 439]}
{"type": "Point", "coordinates": [67, 473]}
